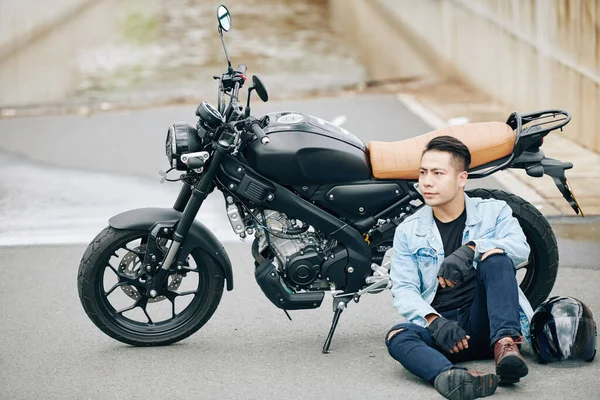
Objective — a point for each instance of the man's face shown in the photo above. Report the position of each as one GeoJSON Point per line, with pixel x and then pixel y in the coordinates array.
{"type": "Point", "coordinates": [439, 179]}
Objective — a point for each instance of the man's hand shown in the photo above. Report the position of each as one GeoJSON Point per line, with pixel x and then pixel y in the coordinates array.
{"type": "Point", "coordinates": [455, 267]}
{"type": "Point", "coordinates": [448, 335]}
{"type": "Point", "coordinates": [490, 252]}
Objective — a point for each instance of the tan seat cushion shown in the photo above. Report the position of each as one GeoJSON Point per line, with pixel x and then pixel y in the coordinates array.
{"type": "Point", "coordinates": [487, 141]}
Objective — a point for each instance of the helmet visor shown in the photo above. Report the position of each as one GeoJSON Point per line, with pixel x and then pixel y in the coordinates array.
{"type": "Point", "coordinates": [566, 338]}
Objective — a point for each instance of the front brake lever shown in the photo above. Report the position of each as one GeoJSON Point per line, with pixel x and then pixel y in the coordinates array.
{"type": "Point", "coordinates": [264, 121]}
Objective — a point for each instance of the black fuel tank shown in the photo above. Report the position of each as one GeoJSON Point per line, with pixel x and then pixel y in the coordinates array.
{"type": "Point", "coordinates": [305, 150]}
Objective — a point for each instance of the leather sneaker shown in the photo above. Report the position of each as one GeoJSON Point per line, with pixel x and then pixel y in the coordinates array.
{"type": "Point", "coordinates": [460, 384]}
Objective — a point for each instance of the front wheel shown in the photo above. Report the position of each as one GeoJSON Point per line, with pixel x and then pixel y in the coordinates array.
{"type": "Point", "coordinates": [111, 286]}
{"type": "Point", "coordinates": [539, 274]}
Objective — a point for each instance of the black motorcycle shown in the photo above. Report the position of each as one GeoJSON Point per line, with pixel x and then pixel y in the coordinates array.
{"type": "Point", "coordinates": [322, 208]}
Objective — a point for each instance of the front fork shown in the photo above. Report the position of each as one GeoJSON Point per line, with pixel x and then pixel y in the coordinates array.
{"type": "Point", "coordinates": [189, 201]}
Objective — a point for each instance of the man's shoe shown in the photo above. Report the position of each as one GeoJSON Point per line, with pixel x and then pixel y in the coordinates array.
{"type": "Point", "coordinates": [460, 384]}
{"type": "Point", "coordinates": [510, 365]}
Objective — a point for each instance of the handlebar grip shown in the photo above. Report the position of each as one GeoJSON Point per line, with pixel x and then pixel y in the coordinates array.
{"type": "Point", "coordinates": [260, 134]}
{"type": "Point", "coordinates": [242, 68]}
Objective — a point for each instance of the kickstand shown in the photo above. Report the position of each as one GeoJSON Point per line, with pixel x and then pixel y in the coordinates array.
{"type": "Point", "coordinates": [336, 317]}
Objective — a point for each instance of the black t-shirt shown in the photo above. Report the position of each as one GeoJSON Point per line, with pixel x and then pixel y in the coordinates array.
{"type": "Point", "coordinates": [452, 298]}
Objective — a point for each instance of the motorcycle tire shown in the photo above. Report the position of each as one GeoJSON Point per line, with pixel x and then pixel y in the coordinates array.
{"type": "Point", "coordinates": [542, 267]}
{"type": "Point", "coordinates": [94, 298]}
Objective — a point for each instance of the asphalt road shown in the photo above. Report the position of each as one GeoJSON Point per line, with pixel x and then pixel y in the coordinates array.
{"type": "Point", "coordinates": [62, 176]}
{"type": "Point", "coordinates": [248, 350]}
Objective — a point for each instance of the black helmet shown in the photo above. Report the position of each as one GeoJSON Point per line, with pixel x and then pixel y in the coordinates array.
{"type": "Point", "coordinates": [563, 328]}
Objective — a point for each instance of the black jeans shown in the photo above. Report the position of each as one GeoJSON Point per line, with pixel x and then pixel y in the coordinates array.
{"type": "Point", "coordinates": [494, 314]}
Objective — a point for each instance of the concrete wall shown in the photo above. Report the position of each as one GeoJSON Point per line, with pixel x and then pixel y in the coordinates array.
{"type": "Point", "coordinates": [23, 20]}
{"type": "Point", "coordinates": [529, 54]}
{"type": "Point", "coordinates": [39, 42]}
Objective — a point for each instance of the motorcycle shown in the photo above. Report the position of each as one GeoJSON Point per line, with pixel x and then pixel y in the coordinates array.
{"type": "Point", "coordinates": [322, 208]}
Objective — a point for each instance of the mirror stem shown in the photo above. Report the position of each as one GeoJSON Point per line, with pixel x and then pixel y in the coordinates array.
{"type": "Point", "coordinates": [225, 48]}
{"type": "Point", "coordinates": [247, 110]}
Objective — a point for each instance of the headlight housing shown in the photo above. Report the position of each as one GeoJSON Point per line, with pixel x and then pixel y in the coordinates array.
{"type": "Point", "coordinates": [181, 139]}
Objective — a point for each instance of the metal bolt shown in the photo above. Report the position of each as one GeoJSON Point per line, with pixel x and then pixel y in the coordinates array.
{"type": "Point", "coordinates": [281, 300]}
{"type": "Point", "coordinates": [239, 170]}
{"type": "Point", "coordinates": [231, 186]}
{"type": "Point", "coordinates": [229, 199]}
{"type": "Point", "coordinates": [361, 209]}
{"type": "Point", "coordinates": [272, 273]}
{"type": "Point", "coordinates": [270, 197]}
{"type": "Point", "coordinates": [148, 268]}
{"type": "Point", "coordinates": [301, 252]}
{"type": "Point", "coordinates": [333, 256]}
{"type": "Point", "coordinates": [397, 192]}
{"type": "Point", "coordinates": [350, 270]}
{"type": "Point", "coordinates": [153, 257]}
{"type": "Point", "coordinates": [166, 230]}
{"type": "Point", "coordinates": [153, 293]}
{"type": "Point", "coordinates": [304, 188]}
{"type": "Point", "coordinates": [331, 197]}
{"type": "Point", "coordinates": [180, 267]}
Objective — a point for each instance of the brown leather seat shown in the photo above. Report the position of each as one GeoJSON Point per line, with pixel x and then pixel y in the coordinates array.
{"type": "Point", "coordinates": [487, 141]}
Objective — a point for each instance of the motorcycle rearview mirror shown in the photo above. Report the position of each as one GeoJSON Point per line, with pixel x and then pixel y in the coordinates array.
{"type": "Point", "coordinates": [260, 88]}
{"type": "Point", "coordinates": [224, 19]}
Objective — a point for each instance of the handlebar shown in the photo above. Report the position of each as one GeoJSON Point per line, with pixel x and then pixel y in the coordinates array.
{"type": "Point", "coordinates": [260, 134]}
{"type": "Point", "coordinates": [242, 69]}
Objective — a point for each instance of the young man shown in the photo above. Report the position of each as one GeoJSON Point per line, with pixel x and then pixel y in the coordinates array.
{"type": "Point", "coordinates": [453, 280]}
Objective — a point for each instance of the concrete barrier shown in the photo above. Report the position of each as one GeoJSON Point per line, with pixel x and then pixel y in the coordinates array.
{"type": "Point", "coordinates": [529, 55]}
{"type": "Point", "coordinates": [39, 43]}
{"type": "Point", "coordinates": [22, 21]}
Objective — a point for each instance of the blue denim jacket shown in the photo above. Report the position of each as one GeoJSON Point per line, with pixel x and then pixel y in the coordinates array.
{"type": "Point", "coordinates": [418, 253]}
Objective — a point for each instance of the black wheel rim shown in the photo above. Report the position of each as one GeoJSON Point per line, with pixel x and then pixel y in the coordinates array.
{"type": "Point", "coordinates": [152, 326]}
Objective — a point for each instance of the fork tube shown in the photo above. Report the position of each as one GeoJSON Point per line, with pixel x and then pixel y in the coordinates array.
{"type": "Point", "coordinates": [184, 196]}
{"type": "Point", "coordinates": [199, 194]}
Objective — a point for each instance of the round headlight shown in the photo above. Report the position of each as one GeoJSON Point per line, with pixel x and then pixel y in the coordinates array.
{"type": "Point", "coordinates": [181, 139]}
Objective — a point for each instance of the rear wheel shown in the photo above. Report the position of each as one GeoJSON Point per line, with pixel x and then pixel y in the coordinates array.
{"type": "Point", "coordinates": [538, 275]}
{"type": "Point", "coordinates": [111, 285]}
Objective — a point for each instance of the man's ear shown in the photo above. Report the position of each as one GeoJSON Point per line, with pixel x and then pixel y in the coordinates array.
{"type": "Point", "coordinates": [463, 178]}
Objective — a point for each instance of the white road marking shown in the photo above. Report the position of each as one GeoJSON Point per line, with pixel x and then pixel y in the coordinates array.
{"type": "Point", "coordinates": [49, 205]}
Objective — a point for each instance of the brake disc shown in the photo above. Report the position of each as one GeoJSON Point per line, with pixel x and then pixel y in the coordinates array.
{"type": "Point", "coordinates": [131, 265]}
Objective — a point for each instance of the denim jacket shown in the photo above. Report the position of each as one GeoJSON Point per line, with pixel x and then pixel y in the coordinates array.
{"type": "Point", "coordinates": [418, 252]}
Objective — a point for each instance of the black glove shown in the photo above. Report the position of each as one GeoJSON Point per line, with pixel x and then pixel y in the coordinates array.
{"type": "Point", "coordinates": [456, 266]}
{"type": "Point", "coordinates": [446, 333]}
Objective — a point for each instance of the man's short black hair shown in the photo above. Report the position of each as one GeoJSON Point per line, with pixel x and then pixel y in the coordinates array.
{"type": "Point", "coordinates": [460, 152]}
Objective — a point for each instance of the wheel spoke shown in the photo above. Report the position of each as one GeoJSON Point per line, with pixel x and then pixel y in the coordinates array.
{"type": "Point", "coordinates": [114, 270]}
{"type": "Point", "coordinates": [116, 285]}
{"type": "Point", "coordinates": [177, 294]}
{"type": "Point", "coordinates": [146, 312]}
{"type": "Point", "coordinates": [136, 252]}
{"type": "Point", "coordinates": [134, 305]}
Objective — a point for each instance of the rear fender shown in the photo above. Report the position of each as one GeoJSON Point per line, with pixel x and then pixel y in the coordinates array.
{"type": "Point", "coordinates": [199, 235]}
